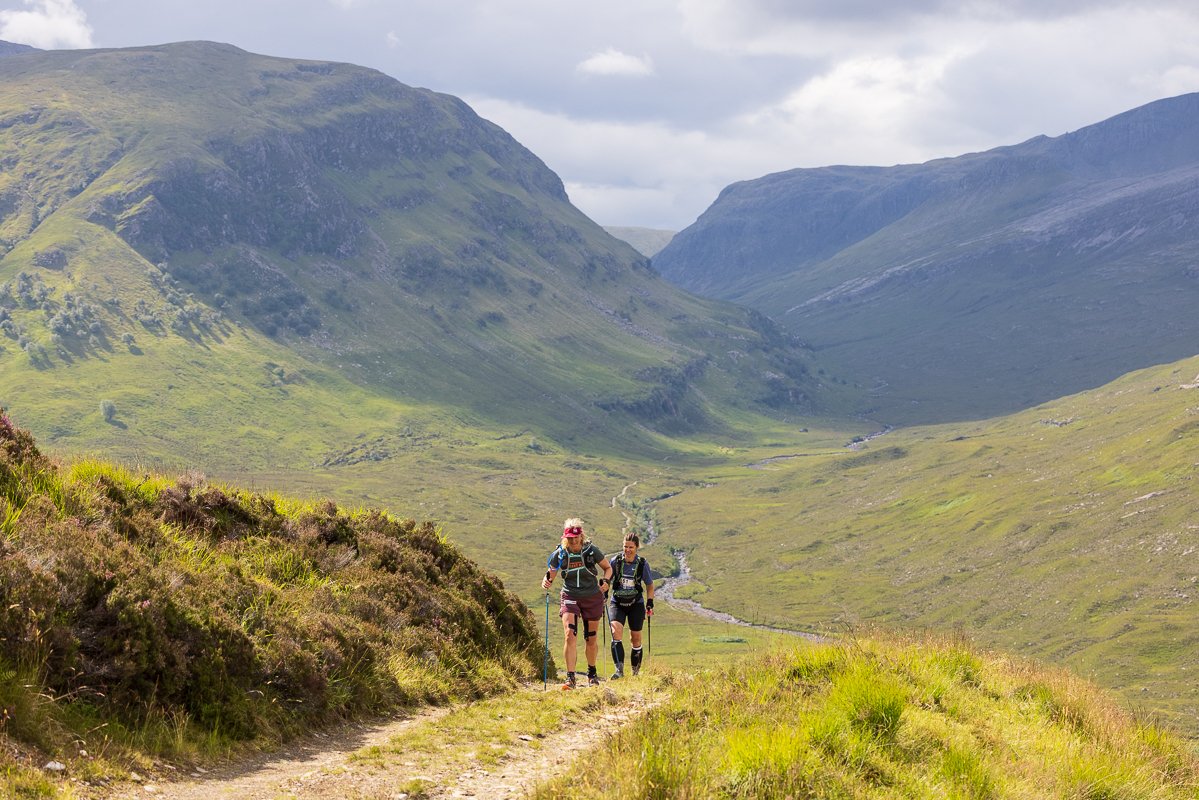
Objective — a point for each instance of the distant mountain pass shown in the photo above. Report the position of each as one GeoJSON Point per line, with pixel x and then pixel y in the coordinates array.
{"type": "Point", "coordinates": [646, 241]}
{"type": "Point", "coordinates": [977, 285]}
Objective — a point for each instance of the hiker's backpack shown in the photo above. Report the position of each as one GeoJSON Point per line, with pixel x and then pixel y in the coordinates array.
{"type": "Point", "coordinates": [620, 594]}
{"type": "Point", "coordinates": [572, 564]}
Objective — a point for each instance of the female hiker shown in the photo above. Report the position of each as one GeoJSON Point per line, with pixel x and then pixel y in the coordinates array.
{"type": "Point", "coordinates": [579, 561]}
{"type": "Point", "coordinates": [627, 605]}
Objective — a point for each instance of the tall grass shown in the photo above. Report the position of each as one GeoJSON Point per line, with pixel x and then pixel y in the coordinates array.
{"type": "Point", "coordinates": [886, 716]}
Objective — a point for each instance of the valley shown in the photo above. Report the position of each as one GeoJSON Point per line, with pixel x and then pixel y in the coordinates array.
{"type": "Point", "coordinates": [301, 369]}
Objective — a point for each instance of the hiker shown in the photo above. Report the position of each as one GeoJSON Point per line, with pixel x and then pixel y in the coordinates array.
{"type": "Point", "coordinates": [579, 561]}
{"type": "Point", "coordinates": [627, 604]}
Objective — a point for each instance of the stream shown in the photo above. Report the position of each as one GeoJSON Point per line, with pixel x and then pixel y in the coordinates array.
{"type": "Point", "coordinates": [665, 586]}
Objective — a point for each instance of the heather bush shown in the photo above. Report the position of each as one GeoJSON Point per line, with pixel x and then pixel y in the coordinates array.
{"type": "Point", "coordinates": [144, 597]}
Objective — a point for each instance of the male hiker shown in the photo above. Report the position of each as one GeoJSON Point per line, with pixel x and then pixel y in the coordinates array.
{"type": "Point", "coordinates": [627, 603]}
{"type": "Point", "coordinates": [579, 561]}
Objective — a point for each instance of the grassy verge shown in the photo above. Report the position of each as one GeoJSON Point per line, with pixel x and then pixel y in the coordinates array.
{"type": "Point", "coordinates": [885, 716]}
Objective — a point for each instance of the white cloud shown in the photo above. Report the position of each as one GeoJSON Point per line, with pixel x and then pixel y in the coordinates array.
{"type": "Point", "coordinates": [614, 62]}
{"type": "Point", "coordinates": [867, 110]}
{"type": "Point", "coordinates": [649, 174]}
{"type": "Point", "coordinates": [946, 87]}
{"type": "Point", "coordinates": [50, 25]}
{"type": "Point", "coordinates": [739, 88]}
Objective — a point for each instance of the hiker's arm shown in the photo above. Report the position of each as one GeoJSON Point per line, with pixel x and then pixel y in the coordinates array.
{"type": "Point", "coordinates": [606, 566]}
{"type": "Point", "coordinates": [649, 592]}
{"type": "Point", "coordinates": [549, 578]}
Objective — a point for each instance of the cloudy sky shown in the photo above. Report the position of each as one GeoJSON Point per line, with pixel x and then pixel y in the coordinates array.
{"type": "Point", "coordinates": [647, 108]}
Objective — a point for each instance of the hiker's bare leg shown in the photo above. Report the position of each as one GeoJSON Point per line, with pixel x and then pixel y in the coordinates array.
{"type": "Point", "coordinates": [569, 653]}
{"type": "Point", "coordinates": [592, 641]}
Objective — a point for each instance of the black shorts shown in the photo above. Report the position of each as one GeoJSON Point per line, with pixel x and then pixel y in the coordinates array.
{"type": "Point", "coordinates": [634, 614]}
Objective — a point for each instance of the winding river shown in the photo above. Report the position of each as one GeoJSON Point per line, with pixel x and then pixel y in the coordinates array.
{"type": "Point", "coordinates": [664, 587]}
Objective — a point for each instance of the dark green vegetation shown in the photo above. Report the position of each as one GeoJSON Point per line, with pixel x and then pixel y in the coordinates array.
{"type": "Point", "coordinates": [337, 265]}
{"type": "Point", "coordinates": [140, 615]}
{"type": "Point", "coordinates": [979, 285]}
{"type": "Point", "coordinates": [1066, 533]}
{"type": "Point", "coordinates": [885, 717]}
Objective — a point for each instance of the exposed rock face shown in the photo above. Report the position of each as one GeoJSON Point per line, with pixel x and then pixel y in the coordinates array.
{"type": "Point", "coordinates": [1027, 271]}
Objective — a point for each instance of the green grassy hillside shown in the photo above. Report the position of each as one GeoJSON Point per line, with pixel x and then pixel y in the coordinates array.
{"type": "Point", "coordinates": [883, 716]}
{"type": "Point", "coordinates": [1066, 532]}
{"type": "Point", "coordinates": [299, 253]}
{"type": "Point", "coordinates": [147, 617]}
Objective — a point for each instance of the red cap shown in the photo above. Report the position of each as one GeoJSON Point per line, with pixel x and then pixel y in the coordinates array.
{"type": "Point", "coordinates": [571, 533]}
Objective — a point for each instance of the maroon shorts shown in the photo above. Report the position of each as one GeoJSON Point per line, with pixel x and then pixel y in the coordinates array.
{"type": "Point", "coordinates": [589, 608]}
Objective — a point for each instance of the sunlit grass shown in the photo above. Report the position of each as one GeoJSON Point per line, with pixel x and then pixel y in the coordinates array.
{"type": "Point", "coordinates": [875, 715]}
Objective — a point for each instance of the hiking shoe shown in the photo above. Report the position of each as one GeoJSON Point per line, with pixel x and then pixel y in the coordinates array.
{"type": "Point", "coordinates": [569, 683]}
{"type": "Point", "coordinates": [619, 673]}
{"type": "Point", "coordinates": [636, 671]}
{"type": "Point", "coordinates": [593, 680]}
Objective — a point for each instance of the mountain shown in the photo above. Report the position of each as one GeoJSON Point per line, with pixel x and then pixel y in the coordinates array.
{"type": "Point", "coordinates": [646, 241]}
{"type": "Point", "coordinates": [269, 259]}
{"type": "Point", "coordinates": [971, 286]}
{"type": "Point", "coordinates": [12, 48]}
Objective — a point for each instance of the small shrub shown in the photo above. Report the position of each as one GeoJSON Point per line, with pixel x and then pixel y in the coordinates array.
{"type": "Point", "coordinates": [108, 409]}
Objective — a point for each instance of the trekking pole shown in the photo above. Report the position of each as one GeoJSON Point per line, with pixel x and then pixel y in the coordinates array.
{"type": "Point", "coordinates": [607, 625]}
{"type": "Point", "coordinates": [545, 661]}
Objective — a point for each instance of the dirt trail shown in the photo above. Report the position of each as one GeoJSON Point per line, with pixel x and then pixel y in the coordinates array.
{"type": "Point", "coordinates": [301, 769]}
{"type": "Point", "coordinates": [532, 763]}
{"type": "Point", "coordinates": [322, 767]}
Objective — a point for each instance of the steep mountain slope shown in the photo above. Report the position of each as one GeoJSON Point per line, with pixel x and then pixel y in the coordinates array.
{"type": "Point", "coordinates": [223, 243]}
{"type": "Point", "coordinates": [976, 285]}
